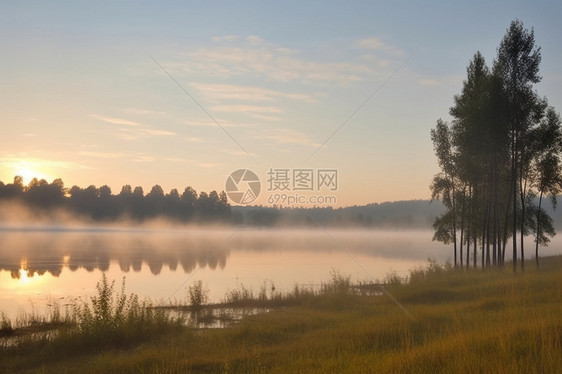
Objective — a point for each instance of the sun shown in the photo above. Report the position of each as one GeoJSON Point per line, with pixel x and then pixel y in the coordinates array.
{"type": "Point", "coordinates": [29, 170]}
{"type": "Point", "coordinates": [26, 174]}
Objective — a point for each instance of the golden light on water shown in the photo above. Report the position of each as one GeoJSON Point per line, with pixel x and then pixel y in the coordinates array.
{"type": "Point", "coordinates": [24, 276]}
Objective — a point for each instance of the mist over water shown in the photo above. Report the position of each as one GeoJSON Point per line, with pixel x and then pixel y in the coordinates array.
{"type": "Point", "coordinates": [43, 264]}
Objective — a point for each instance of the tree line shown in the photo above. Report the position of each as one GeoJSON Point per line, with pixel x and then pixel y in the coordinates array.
{"type": "Point", "coordinates": [101, 204]}
{"type": "Point", "coordinates": [411, 214]}
{"type": "Point", "coordinates": [499, 157]}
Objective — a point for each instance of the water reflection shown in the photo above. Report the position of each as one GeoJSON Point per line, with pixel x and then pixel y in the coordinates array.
{"type": "Point", "coordinates": [36, 265]}
{"type": "Point", "coordinates": [24, 254]}
{"type": "Point", "coordinates": [28, 252]}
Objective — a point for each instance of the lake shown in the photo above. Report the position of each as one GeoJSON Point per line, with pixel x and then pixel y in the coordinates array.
{"type": "Point", "coordinates": [40, 265]}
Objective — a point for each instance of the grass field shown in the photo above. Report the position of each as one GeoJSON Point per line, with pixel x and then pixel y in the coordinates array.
{"type": "Point", "coordinates": [490, 321]}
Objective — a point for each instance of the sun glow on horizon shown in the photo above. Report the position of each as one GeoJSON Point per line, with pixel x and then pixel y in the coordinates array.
{"type": "Point", "coordinates": [29, 169]}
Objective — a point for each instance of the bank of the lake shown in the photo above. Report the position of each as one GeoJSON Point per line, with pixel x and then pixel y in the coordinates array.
{"type": "Point", "coordinates": [462, 321]}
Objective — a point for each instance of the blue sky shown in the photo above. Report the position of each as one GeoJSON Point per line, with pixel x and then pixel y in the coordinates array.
{"type": "Point", "coordinates": [82, 99]}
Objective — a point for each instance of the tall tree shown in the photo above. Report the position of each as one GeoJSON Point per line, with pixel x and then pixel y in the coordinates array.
{"type": "Point", "coordinates": [443, 185]}
{"type": "Point", "coordinates": [499, 152]}
{"type": "Point", "coordinates": [517, 64]}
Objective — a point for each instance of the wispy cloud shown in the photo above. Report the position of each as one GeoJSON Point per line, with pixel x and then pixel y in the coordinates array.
{"type": "Point", "coordinates": [143, 158]}
{"type": "Point", "coordinates": [248, 99]}
{"type": "Point", "coordinates": [264, 117]}
{"type": "Point", "coordinates": [211, 123]}
{"type": "Point", "coordinates": [108, 155]}
{"type": "Point", "coordinates": [224, 38]}
{"type": "Point", "coordinates": [176, 159]}
{"type": "Point", "coordinates": [254, 56]}
{"type": "Point", "coordinates": [254, 39]}
{"type": "Point", "coordinates": [189, 161]}
{"type": "Point", "coordinates": [141, 133]}
{"type": "Point", "coordinates": [156, 132]}
{"type": "Point", "coordinates": [208, 164]}
{"type": "Point", "coordinates": [255, 111]}
{"type": "Point", "coordinates": [289, 136]}
{"type": "Point", "coordinates": [238, 153]}
{"type": "Point", "coordinates": [218, 92]}
{"type": "Point", "coordinates": [143, 111]}
{"type": "Point", "coordinates": [244, 108]}
{"type": "Point", "coordinates": [377, 44]}
{"type": "Point", "coordinates": [204, 123]}
{"type": "Point", "coordinates": [115, 121]}
{"type": "Point", "coordinates": [132, 130]}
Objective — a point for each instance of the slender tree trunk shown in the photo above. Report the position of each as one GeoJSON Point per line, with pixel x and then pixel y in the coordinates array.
{"type": "Point", "coordinates": [483, 238]}
{"type": "Point", "coordinates": [522, 193]}
{"type": "Point", "coordinates": [467, 239]}
{"type": "Point", "coordinates": [455, 250]}
{"type": "Point", "coordinates": [488, 208]}
{"type": "Point", "coordinates": [493, 237]}
{"type": "Point", "coordinates": [453, 209]}
{"type": "Point", "coordinates": [498, 235]}
{"type": "Point", "coordinates": [506, 225]}
{"type": "Point", "coordinates": [454, 225]}
{"type": "Point", "coordinates": [514, 196]}
{"type": "Point", "coordinates": [462, 225]}
{"type": "Point", "coordinates": [461, 245]}
{"type": "Point", "coordinates": [475, 228]}
{"type": "Point", "coordinates": [474, 249]}
{"type": "Point", "coordinates": [469, 225]}
{"type": "Point", "coordinates": [497, 212]}
{"type": "Point", "coordinates": [538, 231]}
{"type": "Point", "coordinates": [455, 241]}
{"type": "Point", "coordinates": [494, 216]}
{"type": "Point", "coordinates": [467, 230]}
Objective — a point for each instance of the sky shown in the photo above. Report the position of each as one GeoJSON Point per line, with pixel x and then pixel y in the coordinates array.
{"type": "Point", "coordinates": [184, 93]}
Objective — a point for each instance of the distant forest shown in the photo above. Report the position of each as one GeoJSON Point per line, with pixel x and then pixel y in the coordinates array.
{"type": "Point", "coordinates": [100, 204]}
{"type": "Point", "coordinates": [411, 214]}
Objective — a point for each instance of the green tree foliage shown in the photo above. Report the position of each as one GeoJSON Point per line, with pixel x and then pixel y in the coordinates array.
{"type": "Point", "coordinates": [501, 150]}
{"type": "Point", "coordinates": [445, 184]}
{"type": "Point", "coordinates": [546, 172]}
{"type": "Point", "coordinates": [517, 65]}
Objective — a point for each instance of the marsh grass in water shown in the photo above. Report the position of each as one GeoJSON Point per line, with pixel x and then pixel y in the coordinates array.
{"type": "Point", "coordinates": [198, 294]}
{"type": "Point", "coordinates": [116, 318]}
{"type": "Point", "coordinates": [104, 321]}
{"type": "Point", "coordinates": [6, 328]}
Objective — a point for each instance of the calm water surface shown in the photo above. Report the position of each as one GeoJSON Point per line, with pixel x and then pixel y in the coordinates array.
{"type": "Point", "coordinates": [40, 266]}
